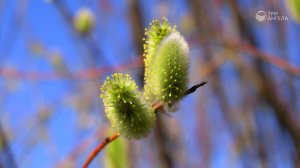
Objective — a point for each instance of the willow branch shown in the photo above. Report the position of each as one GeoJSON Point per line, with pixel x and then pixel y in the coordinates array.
{"type": "Point", "coordinates": [85, 74]}
{"type": "Point", "coordinates": [113, 137]}
{"type": "Point", "coordinates": [268, 58]}
{"type": "Point", "coordinates": [99, 148]}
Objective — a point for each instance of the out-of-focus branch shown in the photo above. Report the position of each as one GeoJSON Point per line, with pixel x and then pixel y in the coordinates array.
{"type": "Point", "coordinates": [90, 45]}
{"type": "Point", "coordinates": [206, 34]}
{"type": "Point", "coordinates": [276, 61]}
{"type": "Point", "coordinates": [137, 25]}
{"type": "Point", "coordinates": [10, 37]}
{"type": "Point", "coordinates": [265, 84]}
{"type": "Point", "coordinates": [136, 18]}
{"type": "Point", "coordinates": [6, 156]}
{"type": "Point", "coordinates": [162, 139]}
{"type": "Point", "coordinates": [282, 111]}
{"type": "Point", "coordinates": [91, 73]}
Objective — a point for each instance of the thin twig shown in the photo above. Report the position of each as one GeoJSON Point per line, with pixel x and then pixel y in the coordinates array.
{"type": "Point", "coordinates": [110, 139]}
{"type": "Point", "coordinates": [91, 73]}
{"type": "Point", "coordinates": [268, 58]}
{"type": "Point", "coordinates": [99, 148]}
{"type": "Point", "coordinates": [6, 148]}
{"type": "Point", "coordinates": [194, 88]}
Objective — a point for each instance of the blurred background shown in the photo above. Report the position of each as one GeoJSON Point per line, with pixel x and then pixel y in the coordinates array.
{"type": "Point", "coordinates": [55, 55]}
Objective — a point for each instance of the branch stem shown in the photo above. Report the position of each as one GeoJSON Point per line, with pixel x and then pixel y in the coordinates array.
{"type": "Point", "coordinates": [95, 152]}
{"type": "Point", "coordinates": [113, 137]}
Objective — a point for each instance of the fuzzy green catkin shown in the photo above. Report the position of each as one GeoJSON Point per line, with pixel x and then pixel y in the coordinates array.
{"type": "Point", "coordinates": [155, 34]}
{"type": "Point", "coordinates": [125, 107]}
{"type": "Point", "coordinates": [170, 70]}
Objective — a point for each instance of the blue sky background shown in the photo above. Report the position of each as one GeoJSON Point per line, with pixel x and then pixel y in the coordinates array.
{"type": "Point", "coordinates": [45, 118]}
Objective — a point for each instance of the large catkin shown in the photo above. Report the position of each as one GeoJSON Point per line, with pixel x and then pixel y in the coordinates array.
{"type": "Point", "coordinates": [166, 73]}
{"type": "Point", "coordinates": [155, 34]}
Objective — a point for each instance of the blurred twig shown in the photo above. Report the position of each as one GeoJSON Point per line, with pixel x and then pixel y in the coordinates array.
{"type": "Point", "coordinates": [205, 28]}
{"type": "Point", "coordinates": [265, 84]}
{"type": "Point", "coordinates": [277, 61]}
{"type": "Point", "coordinates": [8, 39]}
{"type": "Point", "coordinates": [94, 51]}
{"type": "Point", "coordinates": [7, 156]}
{"type": "Point", "coordinates": [137, 27]}
{"type": "Point", "coordinates": [91, 73]}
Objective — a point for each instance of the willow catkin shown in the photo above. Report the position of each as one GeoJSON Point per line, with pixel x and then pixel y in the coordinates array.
{"type": "Point", "coordinates": [155, 34]}
{"type": "Point", "coordinates": [125, 107]}
{"type": "Point", "coordinates": [166, 71]}
{"type": "Point", "coordinates": [84, 21]}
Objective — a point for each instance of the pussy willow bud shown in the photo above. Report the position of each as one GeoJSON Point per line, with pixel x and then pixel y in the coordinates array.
{"type": "Point", "coordinates": [155, 34]}
{"type": "Point", "coordinates": [84, 21]}
{"type": "Point", "coordinates": [125, 107]}
{"type": "Point", "coordinates": [170, 70]}
{"type": "Point", "coordinates": [166, 70]}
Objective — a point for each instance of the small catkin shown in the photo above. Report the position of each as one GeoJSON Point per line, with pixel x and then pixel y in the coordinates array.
{"type": "Point", "coordinates": [125, 107]}
{"type": "Point", "coordinates": [170, 70]}
{"type": "Point", "coordinates": [84, 21]}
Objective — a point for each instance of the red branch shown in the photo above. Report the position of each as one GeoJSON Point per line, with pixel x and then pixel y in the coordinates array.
{"type": "Point", "coordinates": [91, 73]}
{"type": "Point", "coordinates": [277, 61]}
{"type": "Point", "coordinates": [99, 148]}
{"type": "Point", "coordinates": [271, 59]}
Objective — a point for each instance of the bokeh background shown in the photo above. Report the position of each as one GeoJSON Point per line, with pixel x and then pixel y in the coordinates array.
{"type": "Point", "coordinates": [248, 115]}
